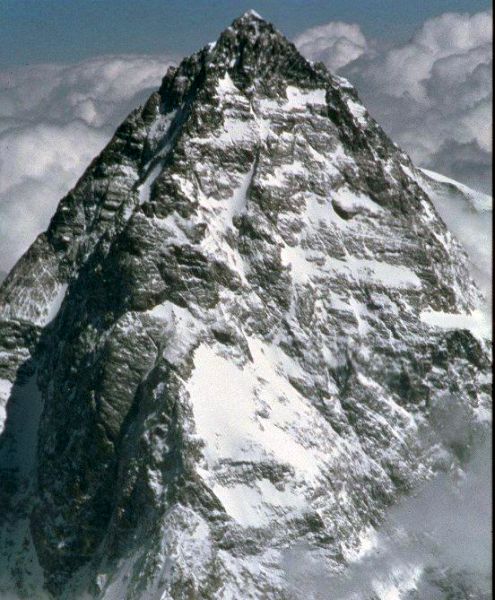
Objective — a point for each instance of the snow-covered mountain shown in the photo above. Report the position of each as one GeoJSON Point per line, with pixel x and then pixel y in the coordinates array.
{"type": "Point", "coordinates": [245, 332]}
{"type": "Point", "coordinates": [468, 214]}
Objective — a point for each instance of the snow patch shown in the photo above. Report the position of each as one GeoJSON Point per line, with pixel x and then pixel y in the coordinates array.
{"type": "Point", "coordinates": [252, 13]}
{"type": "Point", "coordinates": [395, 276]}
{"type": "Point", "coordinates": [293, 257]}
{"type": "Point", "coordinates": [5, 391]}
{"type": "Point", "coordinates": [256, 504]}
{"type": "Point", "coordinates": [280, 174]}
{"type": "Point", "coordinates": [357, 110]}
{"type": "Point", "coordinates": [476, 322]}
{"type": "Point", "coordinates": [234, 132]}
{"type": "Point", "coordinates": [226, 86]}
{"type": "Point", "coordinates": [253, 413]}
{"type": "Point", "coordinates": [320, 210]}
{"type": "Point", "coordinates": [352, 201]}
{"type": "Point", "coordinates": [181, 326]}
{"type": "Point", "coordinates": [299, 99]}
{"type": "Point", "coordinates": [342, 82]}
{"type": "Point", "coordinates": [237, 203]}
{"type": "Point", "coordinates": [160, 127]}
{"type": "Point", "coordinates": [368, 542]}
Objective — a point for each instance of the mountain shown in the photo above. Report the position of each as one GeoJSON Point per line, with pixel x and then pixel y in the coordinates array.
{"type": "Point", "coordinates": [468, 214]}
{"type": "Point", "coordinates": [238, 339]}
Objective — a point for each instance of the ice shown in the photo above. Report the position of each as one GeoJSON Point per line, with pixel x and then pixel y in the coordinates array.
{"type": "Point", "coordinates": [56, 303]}
{"type": "Point", "coordinates": [145, 187]}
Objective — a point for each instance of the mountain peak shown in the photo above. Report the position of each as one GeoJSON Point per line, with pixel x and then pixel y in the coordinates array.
{"type": "Point", "coordinates": [251, 15]}
{"type": "Point", "coordinates": [255, 55]}
{"type": "Point", "coordinates": [252, 23]}
{"type": "Point", "coordinates": [228, 337]}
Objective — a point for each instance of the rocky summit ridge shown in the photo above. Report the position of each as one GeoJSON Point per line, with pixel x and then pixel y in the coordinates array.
{"type": "Point", "coordinates": [234, 338]}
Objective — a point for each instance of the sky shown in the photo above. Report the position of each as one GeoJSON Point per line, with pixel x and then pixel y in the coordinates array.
{"type": "Point", "coordinates": [34, 31]}
{"type": "Point", "coordinates": [70, 71]}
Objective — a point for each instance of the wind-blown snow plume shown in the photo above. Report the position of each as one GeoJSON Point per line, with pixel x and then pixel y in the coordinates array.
{"type": "Point", "coordinates": [468, 216]}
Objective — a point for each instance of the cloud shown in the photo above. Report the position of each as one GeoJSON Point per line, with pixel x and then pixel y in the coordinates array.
{"type": "Point", "coordinates": [466, 162]}
{"type": "Point", "coordinates": [39, 164]}
{"type": "Point", "coordinates": [435, 544]}
{"type": "Point", "coordinates": [96, 91]}
{"type": "Point", "coordinates": [53, 120]}
{"type": "Point", "coordinates": [433, 94]}
{"type": "Point", "coordinates": [336, 44]}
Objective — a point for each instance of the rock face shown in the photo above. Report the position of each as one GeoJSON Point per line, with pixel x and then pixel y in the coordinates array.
{"type": "Point", "coordinates": [229, 336]}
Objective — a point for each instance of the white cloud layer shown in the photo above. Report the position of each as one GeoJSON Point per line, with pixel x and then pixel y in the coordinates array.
{"type": "Point", "coordinates": [433, 94]}
{"type": "Point", "coordinates": [336, 44]}
{"type": "Point", "coordinates": [53, 120]}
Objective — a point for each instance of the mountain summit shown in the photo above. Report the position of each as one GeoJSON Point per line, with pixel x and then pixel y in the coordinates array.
{"type": "Point", "coordinates": [226, 345]}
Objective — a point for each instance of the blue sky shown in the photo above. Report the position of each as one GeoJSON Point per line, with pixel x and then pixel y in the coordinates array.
{"type": "Point", "coordinates": [34, 31]}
